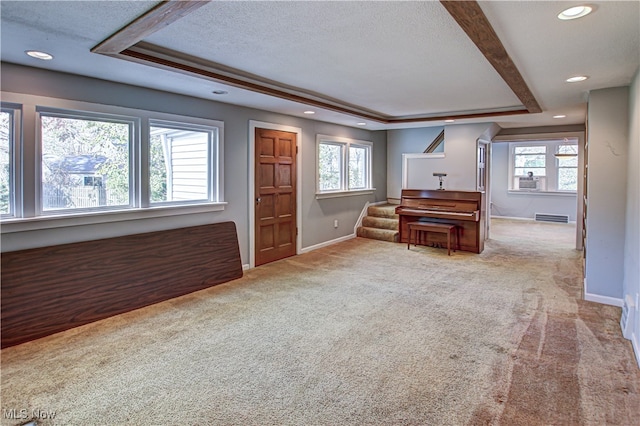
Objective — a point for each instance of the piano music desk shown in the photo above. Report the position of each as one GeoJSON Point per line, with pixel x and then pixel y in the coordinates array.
{"type": "Point", "coordinates": [419, 227]}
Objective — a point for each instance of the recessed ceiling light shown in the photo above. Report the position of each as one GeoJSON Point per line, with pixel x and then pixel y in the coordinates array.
{"type": "Point", "coordinates": [449, 121]}
{"type": "Point", "coordinates": [575, 12]}
{"type": "Point", "coordinates": [559, 116]}
{"type": "Point", "coordinates": [39, 55]}
{"type": "Point", "coordinates": [309, 112]}
{"type": "Point", "coordinates": [361, 123]}
{"type": "Point", "coordinates": [576, 79]}
{"type": "Point", "coordinates": [219, 92]}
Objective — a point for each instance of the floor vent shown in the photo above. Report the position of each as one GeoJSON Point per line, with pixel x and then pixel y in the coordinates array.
{"type": "Point", "coordinates": [557, 218]}
{"type": "Point", "coordinates": [626, 319]}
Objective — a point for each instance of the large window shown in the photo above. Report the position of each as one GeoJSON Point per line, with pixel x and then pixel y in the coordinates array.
{"type": "Point", "coordinates": [180, 160]}
{"type": "Point", "coordinates": [85, 162]}
{"type": "Point", "coordinates": [343, 165]}
{"type": "Point", "coordinates": [106, 163]}
{"type": "Point", "coordinates": [567, 158]}
{"type": "Point", "coordinates": [7, 132]}
{"type": "Point", "coordinates": [544, 166]}
{"type": "Point", "coordinates": [530, 160]}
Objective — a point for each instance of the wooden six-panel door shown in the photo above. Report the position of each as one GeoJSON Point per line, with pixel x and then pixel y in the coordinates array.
{"type": "Point", "coordinates": [275, 203]}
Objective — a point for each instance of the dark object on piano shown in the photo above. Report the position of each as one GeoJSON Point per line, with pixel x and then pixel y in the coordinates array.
{"type": "Point", "coordinates": [440, 176]}
{"type": "Point", "coordinates": [461, 208]}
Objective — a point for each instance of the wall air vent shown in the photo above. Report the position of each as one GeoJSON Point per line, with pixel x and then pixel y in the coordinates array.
{"type": "Point", "coordinates": [556, 218]}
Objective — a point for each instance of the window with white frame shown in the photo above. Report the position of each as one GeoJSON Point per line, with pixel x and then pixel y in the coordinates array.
{"type": "Point", "coordinates": [544, 166]}
{"type": "Point", "coordinates": [343, 165]}
{"type": "Point", "coordinates": [567, 162]}
{"type": "Point", "coordinates": [88, 161]}
{"type": "Point", "coordinates": [8, 119]}
{"type": "Point", "coordinates": [85, 161]}
{"type": "Point", "coordinates": [180, 162]}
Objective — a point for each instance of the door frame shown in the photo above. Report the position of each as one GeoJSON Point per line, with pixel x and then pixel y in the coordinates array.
{"type": "Point", "coordinates": [253, 125]}
{"type": "Point", "coordinates": [487, 183]}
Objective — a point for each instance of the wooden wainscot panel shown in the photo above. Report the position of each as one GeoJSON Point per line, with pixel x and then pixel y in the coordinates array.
{"type": "Point", "coordinates": [51, 289]}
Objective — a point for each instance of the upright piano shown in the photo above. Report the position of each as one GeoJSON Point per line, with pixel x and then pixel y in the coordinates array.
{"type": "Point", "coordinates": [465, 209]}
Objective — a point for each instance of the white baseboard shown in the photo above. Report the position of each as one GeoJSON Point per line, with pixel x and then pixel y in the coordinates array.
{"type": "Point", "coordinates": [315, 247]}
{"type": "Point", "coordinates": [605, 300]}
{"type": "Point", "coordinates": [526, 219]}
{"type": "Point", "coordinates": [363, 213]}
{"type": "Point", "coordinates": [327, 243]}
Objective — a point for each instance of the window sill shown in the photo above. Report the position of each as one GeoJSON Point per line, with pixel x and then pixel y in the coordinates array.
{"type": "Point", "coordinates": [337, 194]}
{"type": "Point", "coordinates": [536, 192]}
{"type": "Point", "coordinates": [111, 216]}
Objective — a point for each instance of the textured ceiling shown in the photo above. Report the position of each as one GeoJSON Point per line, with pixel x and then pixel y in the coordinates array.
{"type": "Point", "coordinates": [382, 55]}
{"type": "Point", "coordinates": [393, 58]}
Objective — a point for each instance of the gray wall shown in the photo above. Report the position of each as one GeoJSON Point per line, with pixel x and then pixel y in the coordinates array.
{"type": "Point", "coordinates": [608, 140]}
{"type": "Point", "coordinates": [317, 215]}
{"type": "Point", "coordinates": [460, 147]}
{"type": "Point", "coordinates": [631, 285]}
{"type": "Point", "coordinates": [405, 141]}
{"type": "Point", "coordinates": [508, 204]}
{"type": "Point", "coordinates": [460, 143]}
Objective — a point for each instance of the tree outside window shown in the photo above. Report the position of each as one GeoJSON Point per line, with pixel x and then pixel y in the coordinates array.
{"type": "Point", "coordinates": [343, 164]}
{"type": "Point", "coordinates": [357, 167]}
{"type": "Point", "coordinates": [85, 163]}
{"type": "Point", "coordinates": [544, 165]}
{"type": "Point", "coordinates": [6, 142]}
{"type": "Point", "coordinates": [567, 167]}
{"type": "Point", "coordinates": [329, 167]}
{"type": "Point", "coordinates": [530, 159]}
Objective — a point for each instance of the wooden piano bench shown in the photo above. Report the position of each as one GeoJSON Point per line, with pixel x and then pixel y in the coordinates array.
{"type": "Point", "coordinates": [443, 228]}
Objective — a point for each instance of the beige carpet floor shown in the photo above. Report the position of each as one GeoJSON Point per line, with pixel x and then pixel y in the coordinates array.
{"type": "Point", "coordinates": [362, 332]}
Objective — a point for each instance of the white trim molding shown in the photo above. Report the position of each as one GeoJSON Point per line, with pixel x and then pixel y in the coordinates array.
{"type": "Point", "coordinates": [406, 160]}
{"type": "Point", "coordinates": [636, 347]}
{"type": "Point", "coordinates": [327, 243]}
{"type": "Point", "coordinates": [605, 300]}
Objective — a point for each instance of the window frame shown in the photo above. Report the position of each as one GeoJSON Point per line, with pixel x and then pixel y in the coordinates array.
{"type": "Point", "coordinates": [15, 149]}
{"type": "Point", "coordinates": [549, 181]}
{"type": "Point", "coordinates": [213, 152]}
{"type": "Point", "coordinates": [29, 215]}
{"type": "Point", "coordinates": [345, 144]}
{"type": "Point", "coordinates": [559, 168]}
{"type": "Point", "coordinates": [132, 122]}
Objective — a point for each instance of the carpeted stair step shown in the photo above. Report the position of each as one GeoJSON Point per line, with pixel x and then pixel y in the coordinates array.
{"type": "Point", "coordinates": [380, 222]}
{"type": "Point", "coordinates": [383, 210]}
{"type": "Point", "coordinates": [378, 234]}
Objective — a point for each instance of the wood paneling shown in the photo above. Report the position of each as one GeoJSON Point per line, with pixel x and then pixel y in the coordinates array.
{"type": "Point", "coordinates": [51, 289]}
